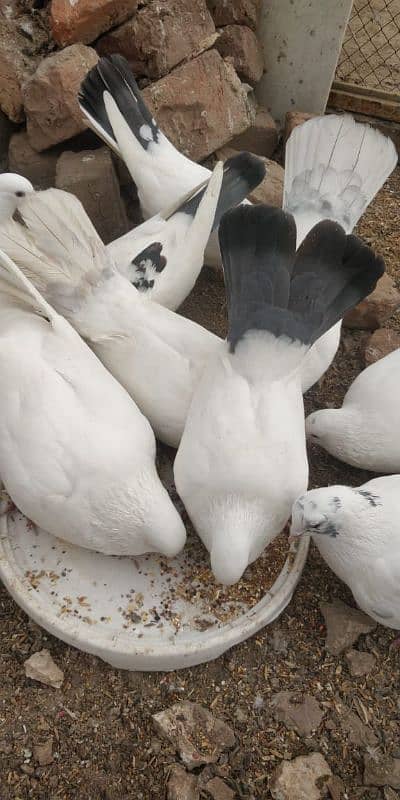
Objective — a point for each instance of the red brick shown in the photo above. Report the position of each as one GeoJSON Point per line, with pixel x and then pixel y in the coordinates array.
{"type": "Point", "coordinates": [239, 12]}
{"type": "Point", "coordinates": [91, 176]}
{"type": "Point", "coordinates": [15, 66]}
{"type": "Point", "coordinates": [161, 35]}
{"type": "Point", "coordinates": [262, 136]}
{"type": "Point", "coordinates": [201, 105]}
{"type": "Point", "coordinates": [84, 20]}
{"type": "Point", "coordinates": [239, 43]}
{"type": "Point", "coordinates": [376, 309]}
{"type": "Point", "coordinates": [50, 96]}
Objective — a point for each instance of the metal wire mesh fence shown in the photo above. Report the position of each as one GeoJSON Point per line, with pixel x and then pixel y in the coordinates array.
{"type": "Point", "coordinates": [370, 55]}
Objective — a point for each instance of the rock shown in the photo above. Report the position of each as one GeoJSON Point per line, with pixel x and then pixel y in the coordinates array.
{"type": "Point", "coordinates": [297, 779]}
{"type": "Point", "coordinates": [261, 138]}
{"type": "Point", "coordinates": [270, 190]}
{"type": "Point", "coordinates": [336, 787]}
{"type": "Point", "coordinates": [6, 129]}
{"type": "Point", "coordinates": [161, 35]}
{"type": "Point", "coordinates": [219, 790]}
{"type": "Point", "coordinates": [41, 667]}
{"type": "Point", "coordinates": [240, 43]}
{"type": "Point", "coordinates": [91, 176]}
{"type": "Point", "coordinates": [292, 120]}
{"type": "Point", "coordinates": [201, 105]}
{"type": "Point", "coordinates": [181, 785]}
{"type": "Point", "coordinates": [84, 20]}
{"type": "Point", "coordinates": [359, 734]}
{"type": "Point", "coordinates": [196, 734]}
{"type": "Point", "coordinates": [15, 67]}
{"type": "Point", "coordinates": [301, 714]}
{"type": "Point", "coordinates": [381, 771]}
{"type": "Point", "coordinates": [376, 309]}
{"type": "Point", "coordinates": [50, 96]}
{"type": "Point", "coordinates": [380, 344]}
{"type": "Point", "coordinates": [344, 625]}
{"type": "Point", "coordinates": [240, 12]}
{"type": "Point", "coordinates": [360, 663]}
{"type": "Point", "coordinates": [39, 168]}
{"type": "Point", "coordinates": [43, 753]}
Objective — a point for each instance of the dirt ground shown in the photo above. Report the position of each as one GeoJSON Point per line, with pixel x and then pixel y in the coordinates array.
{"type": "Point", "coordinates": [104, 745]}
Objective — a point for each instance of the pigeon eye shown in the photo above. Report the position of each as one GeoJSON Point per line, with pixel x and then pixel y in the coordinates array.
{"type": "Point", "coordinates": [20, 194]}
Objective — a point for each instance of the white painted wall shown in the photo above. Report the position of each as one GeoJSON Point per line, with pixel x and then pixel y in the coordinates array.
{"type": "Point", "coordinates": [301, 40]}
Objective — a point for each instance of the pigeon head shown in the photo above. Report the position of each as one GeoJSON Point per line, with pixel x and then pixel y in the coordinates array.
{"type": "Point", "coordinates": [318, 512]}
{"type": "Point", "coordinates": [12, 189]}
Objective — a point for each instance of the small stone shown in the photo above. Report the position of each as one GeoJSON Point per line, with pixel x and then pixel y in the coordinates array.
{"type": "Point", "coordinates": [43, 753]}
{"type": "Point", "coordinates": [381, 771]}
{"type": "Point", "coordinates": [303, 715]}
{"type": "Point", "coordinates": [41, 667]}
{"type": "Point", "coordinates": [219, 790]}
{"type": "Point", "coordinates": [50, 96]}
{"type": "Point", "coordinates": [359, 734]}
{"type": "Point", "coordinates": [344, 625]}
{"type": "Point", "coordinates": [27, 769]}
{"type": "Point", "coordinates": [84, 20]}
{"type": "Point", "coordinates": [270, 190]}
{"type": "Point", "coordinates": [301, 778]}
{"type": "Point", "coordinates": [181, 785]}
{"type": "Point", "coordinates": [241, 715]}
{"type": "Point", "coordinates": [292, 120]}
{"type": "Point", "coordinates": [261, 138]}
{"type": "Point", "coordinates": [161, 35]}
{"type": "Point", "coordinates": [360, 663]}
{"type": "Point", "coordinates": [376, 309]}
{"type": "Point", "coordinates": [39, 168]}
{"type": "Point", "coordinates": [240, 12]}
{"type": "Point", "coordinates": [336, 787]}
{"type": "Point", "coordinates": [380, 344]}
{"type": "Point", "coordinates": [200, 105]}
{"type": "Point", "coordinates": [240, 43]}
{"type": "Point", "coordinates": [196, 734]}
{"type": "Point", "coordinates": [91, 176]}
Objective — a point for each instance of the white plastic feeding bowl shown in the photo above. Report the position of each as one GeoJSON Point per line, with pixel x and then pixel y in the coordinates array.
{"type": "Point", "coordinates": [142, 613]}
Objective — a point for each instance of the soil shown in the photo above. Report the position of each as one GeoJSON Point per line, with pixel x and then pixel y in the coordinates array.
{"type": "Point", "coordinates": [104, 744]}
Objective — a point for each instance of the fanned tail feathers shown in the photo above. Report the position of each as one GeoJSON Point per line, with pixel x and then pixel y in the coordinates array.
{"type": "Point", "coordinates": [299, 295]}
{"type": "Point", "coordinates": [56, 247]}
{"type": "Point", "coordinates": [334, 167]}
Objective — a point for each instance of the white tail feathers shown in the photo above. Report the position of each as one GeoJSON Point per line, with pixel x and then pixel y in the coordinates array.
{"type": "Point", "coordinates": [334, 167]}
{"type": "Point", "coordinates": [16, 288]}
{"type": "Point", "coordinates": [58, 249]}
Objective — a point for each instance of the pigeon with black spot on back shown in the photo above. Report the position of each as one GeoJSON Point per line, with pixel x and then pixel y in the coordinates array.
{"type": "Point", "coordinates": [334, 167]}
{"type": "Point", "coordinates": [364, 432]}
{"type": "Point", "coordinates": [242, 460]}
{"type": "Point", "coordinates": [357, 532]}
{"type": "Point", "coordinates": [157, 355]}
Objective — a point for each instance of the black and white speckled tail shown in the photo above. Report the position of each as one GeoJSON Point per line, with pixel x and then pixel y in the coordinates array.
{"type": "Point", "coordinates": [242, 173]}
{"type": "Point", "coordinates": [112, 74]}
{"type": "Point", "coordinates": [299, 295]}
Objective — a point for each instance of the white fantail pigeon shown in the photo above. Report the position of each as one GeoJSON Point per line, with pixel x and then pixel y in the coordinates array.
{"type": "Point", "coordinates": [357, 532]}
{"type": "Point", "coordinates": [334, 167]}
{"type": "Point", "coordinates": [13, 188]}
{"type": "Point", "coordinates": [157, 355]}
{"type": "Point", "coordinates": [242, 460]}
{"type": "Point", "coordinates": [76, 455]}
{"type": "Point", "coordinates": [365, 431]}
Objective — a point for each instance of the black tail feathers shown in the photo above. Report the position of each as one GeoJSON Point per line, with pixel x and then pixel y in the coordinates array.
{"type": "Point", "coordinates": [242, 173]}
{"type": "Point", "coordinates": [298, 295]}
{"type": "Point", "coordinates": [113, 74]}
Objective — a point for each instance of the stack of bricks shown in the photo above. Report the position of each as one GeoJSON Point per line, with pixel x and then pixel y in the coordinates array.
{"type": "Point", "coordinates": [196, 62]}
